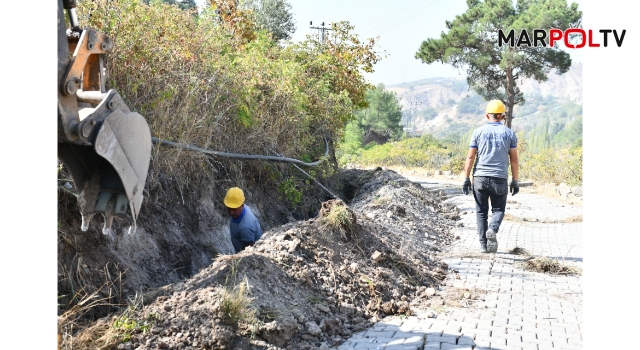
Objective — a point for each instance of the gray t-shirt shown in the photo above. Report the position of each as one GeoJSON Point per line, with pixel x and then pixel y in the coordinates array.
{"type": "Point", "coordinates": [493, 142]}
{"type": "Point", "coordinates": [246, 230]}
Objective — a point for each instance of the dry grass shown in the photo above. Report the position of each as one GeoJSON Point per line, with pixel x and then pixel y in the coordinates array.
{"type": "Point", "coordinates": [572, 219]}
{"type": "Point", "coordinates": [234, 303]}
{"type": "Point", "coordinates": [463, 297]}
{"type": "Point", "coordinates": [519, 251]}
{"type": "Point", "coordinates": [338, 216]}
{"type": "Point", "coordinates": [86, 295]}
{"type": "Point", "coordinates": [545, 264]}
{"type": "Point", "coordinates": [71, 321]}
{"type": "Point", "coordinates": [108, 333]}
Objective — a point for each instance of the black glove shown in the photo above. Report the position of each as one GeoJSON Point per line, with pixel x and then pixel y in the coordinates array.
{"type": "Point", "coordinates": [466, 186]}
{"type": "Point", "coordinates": [514, 188]}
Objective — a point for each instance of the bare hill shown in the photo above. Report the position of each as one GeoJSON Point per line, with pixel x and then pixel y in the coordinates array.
{"type": "Point", "coordinates": [434, 105]}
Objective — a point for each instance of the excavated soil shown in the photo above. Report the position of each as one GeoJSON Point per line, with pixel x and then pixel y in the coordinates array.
{"type": "Point", "coordinates": [314, 283]}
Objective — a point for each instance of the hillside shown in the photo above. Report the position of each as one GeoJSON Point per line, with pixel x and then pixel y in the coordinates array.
{"type": "Point", "coordinates": [444, 105]}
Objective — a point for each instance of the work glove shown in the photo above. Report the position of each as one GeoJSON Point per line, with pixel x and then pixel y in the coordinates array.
{"type": "Point", "coordinates": [466, 186]}
{"type": "Point", "coordinates": [514, 188]}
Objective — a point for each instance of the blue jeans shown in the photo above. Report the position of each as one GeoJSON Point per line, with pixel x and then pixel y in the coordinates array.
{"type": "Point", "coordinates": [496, 189]}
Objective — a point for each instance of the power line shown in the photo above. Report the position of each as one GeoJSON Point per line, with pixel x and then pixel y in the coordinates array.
{"type": "Point", "coordinates": [384, 13]}
{"type": "Point", "coordinates": [424, 8]}
{"type": "Point", "coordinates": [341, 3]}
{"type": "Point", "coordinates": [402, 11]}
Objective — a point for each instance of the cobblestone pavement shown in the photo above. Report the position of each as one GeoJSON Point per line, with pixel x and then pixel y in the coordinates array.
{"type": "Point", "coordinates": [519, 309]}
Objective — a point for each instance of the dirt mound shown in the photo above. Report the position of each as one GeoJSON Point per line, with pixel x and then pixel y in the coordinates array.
{"type": "Point", "coordinates": [312, 282]}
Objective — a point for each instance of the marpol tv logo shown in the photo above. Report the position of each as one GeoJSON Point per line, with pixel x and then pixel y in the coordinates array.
{"type": "Point", "coordinates": [574, 38]}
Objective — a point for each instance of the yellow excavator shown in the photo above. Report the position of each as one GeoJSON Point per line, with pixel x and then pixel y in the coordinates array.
{"type": "Point", "coordinates": [103, 144]}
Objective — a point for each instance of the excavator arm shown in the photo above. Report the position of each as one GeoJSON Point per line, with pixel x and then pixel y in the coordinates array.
{"type": "Point", "coordinates": [105, 146]}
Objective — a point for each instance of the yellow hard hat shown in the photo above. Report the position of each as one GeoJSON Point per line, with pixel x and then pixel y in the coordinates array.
{"type": "Point", "coordinates": [234, 198]}
{"type": "Point", "coordinates": [495, 107]}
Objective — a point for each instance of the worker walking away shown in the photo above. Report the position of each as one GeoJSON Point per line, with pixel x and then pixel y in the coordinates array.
{"type": "Point", "coordinates": [493, 147]}
{"type": "Point", "coordinates": [244, 228]}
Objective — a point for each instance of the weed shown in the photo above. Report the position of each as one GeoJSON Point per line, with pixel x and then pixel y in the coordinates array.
{"type": "Point", "coordinates": [269, 314]}
{"type": "Point", "coordinates": [315, 300]}
{"type": "Point", "coordinates": [128, 323]}
{"type": "Point", "coordinates": [290, 191]}
{"type": "Point", "coordinates": [370, 283]}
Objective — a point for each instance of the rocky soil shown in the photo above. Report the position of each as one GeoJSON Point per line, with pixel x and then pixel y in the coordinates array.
{"type": "Point", "coordinates": [308, 284]}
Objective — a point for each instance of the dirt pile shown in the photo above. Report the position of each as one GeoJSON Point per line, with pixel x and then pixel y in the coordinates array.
{"type": "Point", "coordinates": [312, 282]}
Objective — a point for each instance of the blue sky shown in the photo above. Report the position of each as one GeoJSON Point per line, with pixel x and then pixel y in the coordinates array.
{"type": "Point", "coordinates": [401, 25]}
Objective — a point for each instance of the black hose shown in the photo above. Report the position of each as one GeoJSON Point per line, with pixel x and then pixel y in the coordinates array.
{"type": "Point", "coordinates": [242, 156]}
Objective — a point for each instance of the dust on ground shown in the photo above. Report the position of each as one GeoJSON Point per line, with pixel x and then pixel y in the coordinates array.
{"type": "Point", "coordinates": [310, 283]}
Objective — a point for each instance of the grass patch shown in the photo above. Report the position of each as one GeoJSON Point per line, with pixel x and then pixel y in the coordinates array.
{"type": "Point", "coordinates": [545, 264]}
{"type": "Point", "coordinates": [128, 322]}
{"type": "Point", "coordinates": [338, 216]}
{"type": "Point", "coordinates": [235, 305]}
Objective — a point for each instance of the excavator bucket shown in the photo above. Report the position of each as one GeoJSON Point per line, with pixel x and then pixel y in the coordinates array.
{"type": "Point", "coordinates": [105, 146]}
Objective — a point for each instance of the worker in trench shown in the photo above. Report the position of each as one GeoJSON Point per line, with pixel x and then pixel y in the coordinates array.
{"type": "Point", "coordinates": [244, 227]}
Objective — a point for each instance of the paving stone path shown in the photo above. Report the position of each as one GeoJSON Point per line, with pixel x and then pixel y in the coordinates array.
{"type": "Point", "coordinates": [520, 309]}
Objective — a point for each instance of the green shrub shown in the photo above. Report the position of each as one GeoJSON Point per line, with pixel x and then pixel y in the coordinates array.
{"type": "Point", "coordinates": [553, 166]}
{"type": "Point", "coordinates": [197, 82]}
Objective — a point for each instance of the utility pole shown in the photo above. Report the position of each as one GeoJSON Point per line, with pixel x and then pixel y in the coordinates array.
{"type": "Point", "coordinates": [320, 29]}
{"type": "Point", "coordinates": [412, 109]}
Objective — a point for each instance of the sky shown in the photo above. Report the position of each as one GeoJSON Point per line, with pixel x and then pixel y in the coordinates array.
{"type": "Point", "coordinates": [401, 26]}
{"type": "Point", "coordinates": [28, 163]}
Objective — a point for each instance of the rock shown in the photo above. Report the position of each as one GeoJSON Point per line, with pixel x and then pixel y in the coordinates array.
{"type": "Point", "coordinates": [577, 191]}
{"type": "Point", "coordinates": [331, 326]}
{"type": "Point", "coordinates": [125, 346]}
{"type": "Point", "coordinates": [313, 328]}
{"type": "Point", "coordinates": [309, 338]}
{"type": "Point", "coordinates": [376, 256]}
{"type": "Point", "coordinates": [323, 308]}
{"type": "Point", "coordinates": [388, 308]}
{"type": "Point", "coordinates": [280, 331]}
{"type": "Point", "coordinates": [430, 292]}
{"type": "Point", "coordinates": [347, 309]}
{"type": "Point", "coordinates": [323, 346]}
{"type": "Point", "coordinates": [563, 190]}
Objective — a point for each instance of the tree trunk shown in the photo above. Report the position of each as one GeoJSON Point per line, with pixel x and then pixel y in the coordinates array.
{"type": "Point", "coordinates": [511, 96]}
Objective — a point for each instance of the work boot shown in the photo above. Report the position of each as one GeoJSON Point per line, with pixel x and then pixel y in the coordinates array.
{"type": "Point", "coordinates": [492, 241]}
{"type": "Point", "coordinates": [483, 248]}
